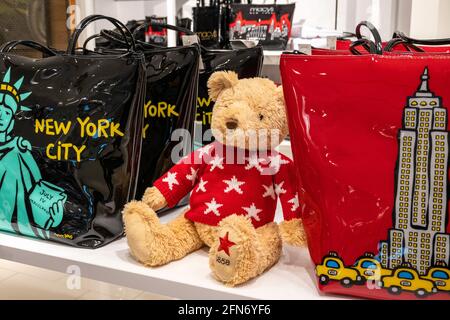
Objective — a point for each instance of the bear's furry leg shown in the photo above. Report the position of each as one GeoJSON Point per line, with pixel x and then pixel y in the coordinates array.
{"type": "Point", "coordinates": [271, 245]}
{"type": "Point", "coordinates": [242, 252]}
{"type": "Point", "coordinates": [207, 233]}
{"type": "Point", "coordinates": [153, 243]}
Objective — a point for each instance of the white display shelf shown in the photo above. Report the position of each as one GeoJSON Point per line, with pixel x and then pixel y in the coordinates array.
{"type": "Point", "coordinates": [189, 278]}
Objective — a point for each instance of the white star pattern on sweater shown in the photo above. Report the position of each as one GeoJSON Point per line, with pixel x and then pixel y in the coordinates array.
{"type": "Point", "coordinates": [203, 151]}
{"type": "Point", "coordinates": [269, 192]}
{"type": "Point", "coordinates": [213, 207]}
{"type": "Point", "coordinates": [233, 184]}
{"type": "Point", "coordinates": [276, 161]}
{"type": "Point", "coordinates": [171, 179]}
{"type": "Point", "coordinates": [192, 176]}
{"type": "Point", "coordinates": [252, 212]}
{"type": "Point", "coordinates": [217, 162]}
{"type": "Point", "coordinates": [295, 203]}
{"type": "Point", "coordinates": [253, 162]}
{"type": "Point", "coordinates": [201, 185]}
{"type": "Point", "coordinates": [279, 188]}
{"type": "Point", "coordinates": [219, 188]}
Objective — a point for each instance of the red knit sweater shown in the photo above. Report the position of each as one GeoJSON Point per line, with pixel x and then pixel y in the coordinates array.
{"type": "Point", "coordinates": [249, 185]}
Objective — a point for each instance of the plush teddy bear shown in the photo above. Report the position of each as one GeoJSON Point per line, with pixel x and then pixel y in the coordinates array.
{"type": "Point", "coordinates": [235, 183]}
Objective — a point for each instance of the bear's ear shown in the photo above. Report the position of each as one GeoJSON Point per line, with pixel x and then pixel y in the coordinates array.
{"type": "Point", "coordinates": [220, 81]}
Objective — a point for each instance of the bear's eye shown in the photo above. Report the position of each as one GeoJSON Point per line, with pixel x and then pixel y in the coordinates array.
{"type": "Point", "coordinates": [261, 117]}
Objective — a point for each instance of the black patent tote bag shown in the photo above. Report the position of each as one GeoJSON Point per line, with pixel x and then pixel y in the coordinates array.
{"type": "Point", "coordinates": [70, 131]}
{"type": "Point", "coordinates": [247, 63]}
{"type": "Point", "coordinates": [172, 76]}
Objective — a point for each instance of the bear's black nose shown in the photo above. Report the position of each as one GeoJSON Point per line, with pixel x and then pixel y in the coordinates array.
{"type": "Point", "coordinates": [231, 124]}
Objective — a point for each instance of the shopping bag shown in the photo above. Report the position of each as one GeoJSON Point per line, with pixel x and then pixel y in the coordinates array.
{"type": "Point", "coordinates": [69, 131]}
{"type": "Point", "coordinates": [246, 63]}
{"type": "Point", "coordinates": [401, 42]}
{"type": "Point", "coordinates": [358, 44]}
{"type": "Point", "coordinates": [170, 103]}
{"type": "Point", "coordinates": [270, 25]}
{"type": "Point", "coordinates": [185, 23]}
{"type": "Point", "coordinates": [370, 136]}
{"type": "Point", "coordinates": [207, 26]}
{"type": "Point", "coordinates": [169, 110]}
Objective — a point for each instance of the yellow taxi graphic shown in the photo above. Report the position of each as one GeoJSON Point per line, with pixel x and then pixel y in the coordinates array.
{"type": "Point", "coordinates": [370, 269]}
{"type": "Point", "coordinates": [332, 268]}
{"type": "Point", "coordinates": [405, 278]}
{"type": "Point", "coordinates": [441, 278]}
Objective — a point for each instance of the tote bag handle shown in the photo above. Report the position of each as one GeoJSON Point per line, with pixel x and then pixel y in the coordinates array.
{"type": "Point", "coordinates": [115, 36]}
{"type": "Point", "coordinates": [11, 45]}
{"type": "Point", "coordinates": [398, 41]}
{"type": "Point", "coordinates": [124, 31]}
{"type": "Point", "coordinates": [88, 39]}
{"type": "Point", "coordinates": [373, 47]}
{"type": "Point", "coordinates": [162, 25]}
{"type": "Point", "coordinates": [424, 42]}
{"type": "Point", "coordinates": [399, 38]}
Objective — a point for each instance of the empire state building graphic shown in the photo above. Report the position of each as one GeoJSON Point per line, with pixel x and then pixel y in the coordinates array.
{"type": "Point", "coordinates": [418, 236]}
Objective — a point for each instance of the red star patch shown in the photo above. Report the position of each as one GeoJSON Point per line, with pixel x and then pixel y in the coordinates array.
{"type": "Point", "coordinates": [225, 244]}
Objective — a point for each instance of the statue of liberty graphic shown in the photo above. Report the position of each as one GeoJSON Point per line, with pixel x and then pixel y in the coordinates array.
{"type": "Point", "coordinates": [28, 205]}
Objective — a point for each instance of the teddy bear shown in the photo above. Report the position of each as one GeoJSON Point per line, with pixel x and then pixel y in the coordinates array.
{"type": "Point", "coordinates": [234, 182]}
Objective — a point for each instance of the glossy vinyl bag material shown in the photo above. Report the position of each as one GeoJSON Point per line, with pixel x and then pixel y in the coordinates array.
{"type": "Point", "coordinates": [344, 45]}
{"type": "Point", "coordinates": [400, 39]}
{"type": "Point", "coordinates": [170, 102]}
{"type": "Point", "coordinates": [247, 63]}
{"type": "Point", "coordinates": [69, 138]}
{"type": "Point", "coordinates": [370, 137]}
{"type": "Point", "coordinates": [425, 49]}
{"type": "Point", "coordinates": [207, 26]}
{"type": "Point", "coordinates": [169, 110]}
{"type": "Point", "coordinates": [178, 69]}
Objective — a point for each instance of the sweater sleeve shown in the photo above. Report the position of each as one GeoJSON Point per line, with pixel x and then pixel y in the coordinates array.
{"type": "Point", "coordinates": [181, 178]}
{"type": "Point", "coordinates": [286, 189]}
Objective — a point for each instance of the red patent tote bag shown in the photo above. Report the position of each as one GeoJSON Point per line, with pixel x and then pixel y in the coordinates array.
{"type": "Point", "coordinates": [370, 138]}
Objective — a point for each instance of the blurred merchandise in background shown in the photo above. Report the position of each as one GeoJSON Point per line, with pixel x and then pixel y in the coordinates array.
{"type": "Point", "coordinates": [44, 21]}
{"type": "Point", "coordinates": [156, 35]}
{"type": "Point", "coordinates": [32, 17]}
{"type": "Point", "coordinates": [268, 24]}
{"type": "Point", "coordinates": [207, 26]}
{"type": "Point", "coordinates": [315, 23]}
